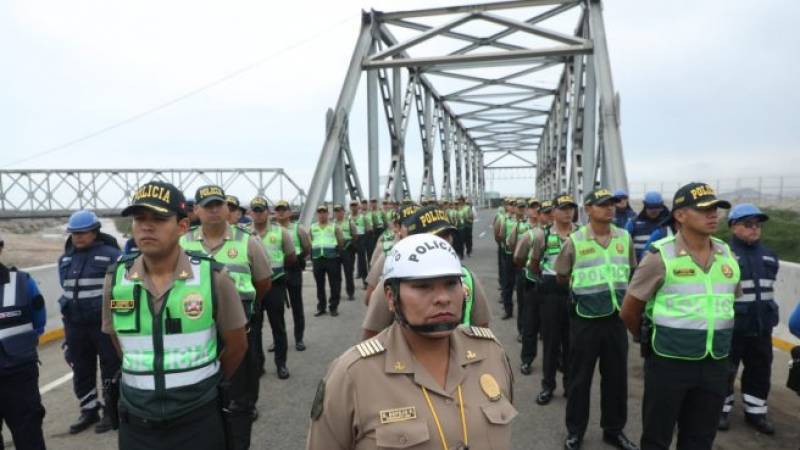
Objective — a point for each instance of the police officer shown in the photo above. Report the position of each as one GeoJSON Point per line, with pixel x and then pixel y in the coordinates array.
{"type": "Point", "coordinates": [756, 315]}
{"type": "Point", "coordinates": [528, 317]}
{"type": "Point", "coordinates": [385, 241]}
{"type": "Point", "coordinates": [546, 213]}
{"type": "Point", "coordinates": [378, 222]}
{"type": "Point", "coordinates": [348, 229]}
{"type": "Point", "coordinates": [236, 212]}
{"type": "Point", "coordinates": [361, 240]}
{"type": "Point", "coordinates": [622, 211]}
{"type": "Point", "coordinates": [159, 306]}
{"type": "Point", "coordinates": [424, 382]}
{"type": "Point", "coordinates": [468, 217]}
{"type": "Point", "coordinates": [511, 272]}
{"type": "Point", "coordinates": [503, 211]}
{"type": "Point", "coordinates": [553, 297]}
{"type": "Point", "coordinates": [431, 220]}
{"type": "Point", "coordinates": [193, 220]}
{"type": "Point", "coordinates": [88, 253]}
{"type": "Point", "coordinates": [280, 249]}
{"type": "Point", "coordinates": [247, 263]}
{"type": "Point", "coordinates": [369, 233]}
{"type": "Point", "coordinates": [294, 272]}
{"type": "Point", "coordinates": [376, 266]}
{"type": "Point", "coordinates": [22, 320]}
{"type": "Point", "coordinates": [686, 287]}
{"type": "Point", "coordinates": [326, 244]}
{"type": "Point", "coordinates": [519, 234]}
{"type": "Point", "coordinates": [596, 261]}
{"type": "Point", "coordinates": [649, 219]}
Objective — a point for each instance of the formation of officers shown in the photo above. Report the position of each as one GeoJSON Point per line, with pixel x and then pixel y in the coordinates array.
{"type": "Point", "coordinates": [176, 319]}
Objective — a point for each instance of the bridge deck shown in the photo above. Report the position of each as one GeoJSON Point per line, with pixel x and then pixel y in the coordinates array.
{"type": "Point", "coordinates": [285, 405]}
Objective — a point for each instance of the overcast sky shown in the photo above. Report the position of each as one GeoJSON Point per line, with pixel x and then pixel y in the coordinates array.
{"type": "Point", "coordinates": [708, 88]}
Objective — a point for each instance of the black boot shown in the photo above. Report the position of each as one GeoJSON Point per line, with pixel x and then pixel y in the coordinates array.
{"type": "Point", "coordinates": [87, 418]}
{"type": "Point", "coordinates": [104, 424]}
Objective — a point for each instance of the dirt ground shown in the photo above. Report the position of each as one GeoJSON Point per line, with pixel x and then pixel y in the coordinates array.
{"type": "Point", "coordinates": [35, 242]}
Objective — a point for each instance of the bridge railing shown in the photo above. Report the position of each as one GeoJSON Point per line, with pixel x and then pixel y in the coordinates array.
{"type": "Point", "coordinates": [777, 190]}
{"type": "Point", "coordinates": [54, 193]}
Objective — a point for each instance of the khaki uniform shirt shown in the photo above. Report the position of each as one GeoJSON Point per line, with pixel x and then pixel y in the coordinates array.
{"type": "Point", "coordinates": [566, 259]}
{"type": "Point", "coordinates": [379, 316]}
{"type": "Point", "coordinates": [287, 244]}
{"type": "Point", "coordinates": [649, 276]}
{"type": "Point", "coordinates": [376, 269]}
{"type": "Point", "coordinates": [376, 401]}
{"type": "Point", "coordinates": [256, 255]}
{"type": "Point", "coordinates": [228, 313]}
{"type": "Point", "coordinates": [538, 244]}
{"type": "Point", "coordinates": [305, 240]}
{"type": "Point", "coordinates": [522, 248]}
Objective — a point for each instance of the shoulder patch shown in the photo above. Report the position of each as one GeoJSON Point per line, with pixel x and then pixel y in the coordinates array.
{"type": "Point", "coordinates": [479, 332]}
{"type": "Point", "coordinates": [319, 401]}
{"type": "Point", "coordinates": [370, 347]}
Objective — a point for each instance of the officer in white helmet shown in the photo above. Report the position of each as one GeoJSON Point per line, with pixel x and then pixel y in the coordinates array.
{"type": "Point", "coordinates": [425, 382]}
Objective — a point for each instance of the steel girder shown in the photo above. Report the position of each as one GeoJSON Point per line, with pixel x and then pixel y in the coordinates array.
{"type": "Point", "coordinates": [480, 98]}
{"type": "Point", "coordinates": [56, 193]}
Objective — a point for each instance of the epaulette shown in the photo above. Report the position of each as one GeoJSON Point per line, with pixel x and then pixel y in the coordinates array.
{"type": "Point", "coordinates": [370, 347]}
{"type": "Point", "coordinates": [479, 332]}
{"type": "Point", "coordinates": [125, 258]}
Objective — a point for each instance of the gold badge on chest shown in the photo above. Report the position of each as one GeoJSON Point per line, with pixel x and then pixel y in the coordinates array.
{"type": "Point", "coordinates": [490, 387]}
{"type": "Point", "coordinates": [398, 414]}
{"type": "Point", "coordinates": [727, 271]}
{"type": "Point", "coordinates": [193, 305]}
{"type": "Point", "coordinates": [233, 253]}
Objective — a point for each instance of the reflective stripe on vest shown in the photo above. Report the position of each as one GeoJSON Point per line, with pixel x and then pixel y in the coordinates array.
{"type": "Point", "coordinates": [377, 219]}
{"type": "Point", "coordinates": [469, 301]}
{"type": "Point", "coordinates": [360, 224]}
{"type": "Point", "coordinates": [600, 275]}
{"type": "Point", "coordinates": [323, 241]}
{"type": "Point", "coordinates": [233, 255]}
{"type": "Point", "coordinates": [154, 359]}
{"type": "Point", "coordinates": [16, 322]}
{"type": "Point", "coordinates": [692, 313]}
{"type": "Point", "coordinates": [273, 244]}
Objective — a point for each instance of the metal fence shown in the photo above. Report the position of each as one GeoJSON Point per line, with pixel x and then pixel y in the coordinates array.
{"type": "Point", "coordinates": [778, 190]}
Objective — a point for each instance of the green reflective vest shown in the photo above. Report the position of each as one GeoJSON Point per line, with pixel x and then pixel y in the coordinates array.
{"type": "Point", "coordinates": [273, 244]}
{"type": "Point", "coordinates": [233, 254]}
{"type": "Point", "coordinates": [377, 219]}
{"type": "Point", "coordinates": [361, 224]}
{"type": "Point", "coordinates": [387, 241]}
{"type": "Point", "coordinates": [600, 275]}
{"type": "Point", "coordinates": [466, 213]}
{"type": "Point", "coordinates": [552, 247]}
{"type": "Point", "coordinates": [345, 227]}
{"type": "Point", "coordinates": [295, 235]}
{"type": "Point", "coordinates": [692, 314]}
{"type": "Point", "coordinates": [469, 301]}
{"type": "Point", "coordinates": [508, 226]}
{"type": "Point", "coordinates": [170, 362]}
{"type": "Point", "coordinates": [323, 241]}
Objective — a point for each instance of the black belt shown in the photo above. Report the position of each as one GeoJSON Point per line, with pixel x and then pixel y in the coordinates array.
{"type": "Point", "coordinates": [211, 407]}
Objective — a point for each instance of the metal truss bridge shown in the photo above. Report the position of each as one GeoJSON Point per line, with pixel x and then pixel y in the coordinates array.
{"type": "Point", "coordinates": [54, 193]}
{"type": "Point", "coordinates": [504, 86]}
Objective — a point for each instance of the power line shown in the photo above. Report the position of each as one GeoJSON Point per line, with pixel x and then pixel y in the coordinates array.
{"type": "Point", "coordinates": [229, 76]}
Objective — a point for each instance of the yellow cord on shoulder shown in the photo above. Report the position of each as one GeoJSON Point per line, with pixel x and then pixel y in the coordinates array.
{"type": "Point", "coordinates": [439, 424]}
{"type": "Point", "coordinates": [435, 418]}
{"type": "Point", "coordinates": [463, 417]}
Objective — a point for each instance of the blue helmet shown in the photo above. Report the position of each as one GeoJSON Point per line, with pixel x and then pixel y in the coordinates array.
{"type": "Point", "coordinates": [745, 210]}
{"type": "Point", "coordinates": [653, 198]}
{"type": "Point", "coordinates": [620, 193]}
{"type": "Point", "coordinates": [83, 220]}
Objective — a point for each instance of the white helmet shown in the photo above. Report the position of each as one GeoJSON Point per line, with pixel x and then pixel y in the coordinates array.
{"type": "Point", "coordinates": [421, 256]}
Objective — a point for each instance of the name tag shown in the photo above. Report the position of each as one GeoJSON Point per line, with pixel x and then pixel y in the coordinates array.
{"type": "Point", "coordinates": [122, 304]}
{"type": "Point", "coordinates": [587, 251]}
{"type": "Point", "coordinates": [398, 414]}
{"type": "Point", "coordinates": [683, 272]}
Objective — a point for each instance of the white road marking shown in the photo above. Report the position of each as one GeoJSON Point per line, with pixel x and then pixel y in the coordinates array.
{"type": "Point", "coordinates": [483, 233]}
{"type": "Point", "coordinates": [54, 384]}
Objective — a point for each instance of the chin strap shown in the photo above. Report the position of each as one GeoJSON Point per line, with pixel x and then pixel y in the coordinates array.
{"type": "Point", "coordinates": [400, 318]}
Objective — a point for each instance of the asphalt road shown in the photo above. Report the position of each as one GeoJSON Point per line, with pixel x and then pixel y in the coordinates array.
{"type": "Point", "coordinates": [285, 405]}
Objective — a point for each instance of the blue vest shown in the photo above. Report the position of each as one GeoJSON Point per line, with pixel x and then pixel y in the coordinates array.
{"type": "Point", "coordinates": [640, 230]}
{"type": "Point", "coordinates": [18, 339]}
{"type": "Point", "coordinates": [82, 273]}
{"type": "Point", "coordinates": [756, 310]}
